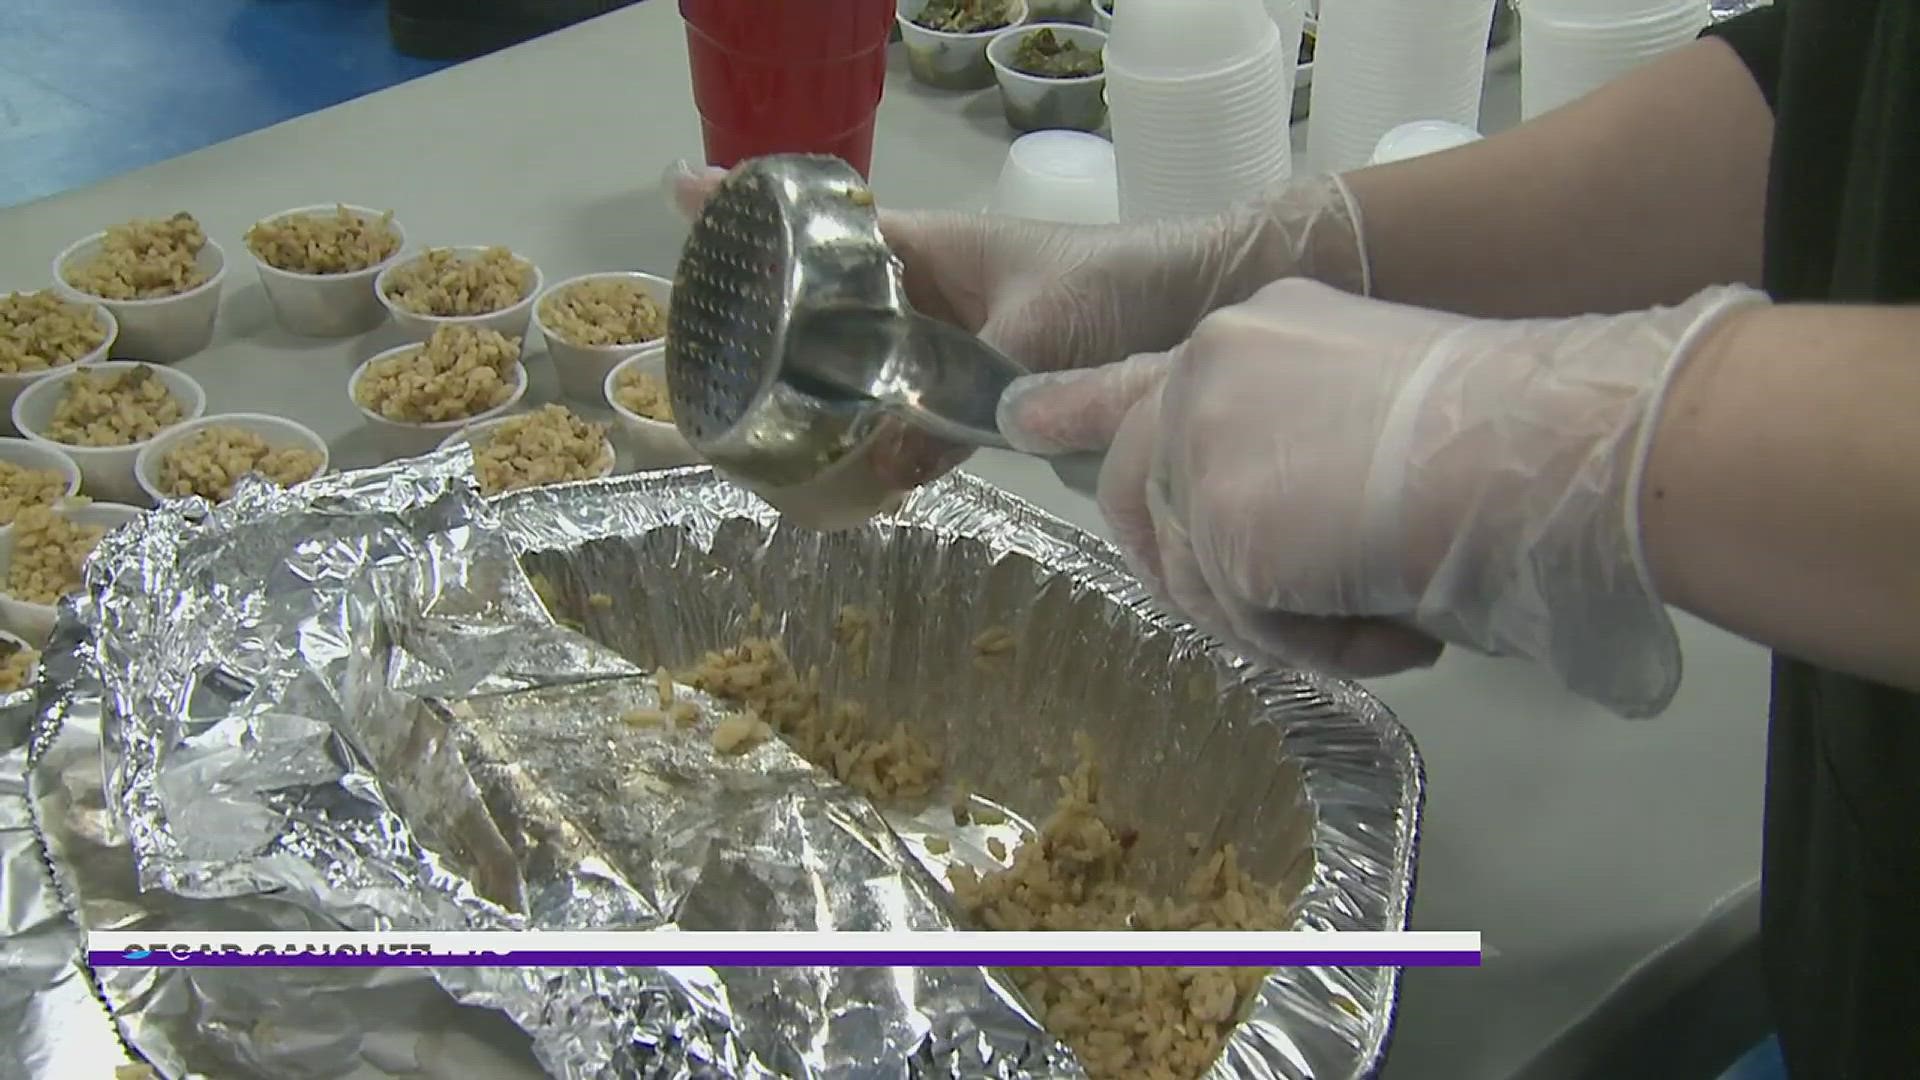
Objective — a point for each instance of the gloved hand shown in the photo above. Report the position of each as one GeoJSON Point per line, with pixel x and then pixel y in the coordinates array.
{"type": "Point", "coordinates": [1058, 296]}
{"type": "Point", "coordinates": [1344, 484]}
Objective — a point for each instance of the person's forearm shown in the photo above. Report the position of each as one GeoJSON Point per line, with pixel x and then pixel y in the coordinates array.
{"type": "Point", "coordinates": [1642, 193]}
{"type": "Point", "coordinates": [1781, 498]}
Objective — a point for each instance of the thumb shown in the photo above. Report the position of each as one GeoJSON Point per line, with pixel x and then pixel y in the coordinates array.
{"type": "Point", "coordinates": [688, 186]}
{"type": "Point", "coordinates": [1060, 412]}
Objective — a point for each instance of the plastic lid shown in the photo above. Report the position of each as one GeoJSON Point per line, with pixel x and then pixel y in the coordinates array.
{"type": "Point", "coordinates": [1067, 155]}
{"type": "Point", "coordinates": [1421, 137]}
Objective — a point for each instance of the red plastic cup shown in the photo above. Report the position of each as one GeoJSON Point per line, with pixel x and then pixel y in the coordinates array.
{"type": "Point", "coordinates": [788, 77]}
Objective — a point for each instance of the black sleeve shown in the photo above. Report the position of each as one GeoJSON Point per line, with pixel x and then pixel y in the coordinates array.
{"type": "Point", "coordinates": [1758, 37]}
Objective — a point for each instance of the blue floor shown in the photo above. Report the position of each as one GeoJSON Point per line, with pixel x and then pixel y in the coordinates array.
{"type": "Point", "coordinates": [1761, 1063]}
{"type": "Point", "coordinates": [93, 88]}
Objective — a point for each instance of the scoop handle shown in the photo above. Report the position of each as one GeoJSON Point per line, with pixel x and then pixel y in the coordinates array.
{"type": "Point", "coordinates": [946, 350]}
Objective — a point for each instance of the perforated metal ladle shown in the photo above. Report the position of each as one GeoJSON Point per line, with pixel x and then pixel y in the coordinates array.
{"type": "Point", "coordinates": [790, 340]}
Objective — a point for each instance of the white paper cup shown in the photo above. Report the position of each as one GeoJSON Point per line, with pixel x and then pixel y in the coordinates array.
{"type": "Point", "coordinates": [164, 329]}
{"type": "Point", "coordinates": [279, 432]}
{"type": "Point", "coordinates": [1034, 103]}
{"type": "Point", "coordinates": [582, 369]}
{"type": "Point", "coordinates": [106, 472]}
{"type": "Point", "coordinates": [399, 439]}
{"type": "Point", "coordinates": [32, 622]}
{"type": "Point", "coordinates": [327, 305]}
{"type": "Point", "coordinates": [509, 321]}
{"type": "Point", "coordinates": [650, 443]}
{"type": "Point", "coordinates": [14, 383]}
{"type": "Point", "coordinates": [28, 454]}
{"type": "Point", "coordinates": [948, 61]}
{"type": "Point", "coordinates": [480, 430]}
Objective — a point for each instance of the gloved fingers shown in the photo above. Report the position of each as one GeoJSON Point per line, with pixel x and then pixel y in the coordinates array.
{"type": "Point", "coordinates": [1343, 646]}
{"type": "Point", "coordinates": [1122, 491]}
{"type": "Point", "coordinates": [1184, 586]}
{"type": "Point", "coordinates": [1060, 412]}
{"type": "Point", "coordinates": [688, 186]}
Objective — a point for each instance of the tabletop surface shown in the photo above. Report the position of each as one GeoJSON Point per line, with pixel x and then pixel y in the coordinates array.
{"type": "Point", "coordinates": [1575, 842]}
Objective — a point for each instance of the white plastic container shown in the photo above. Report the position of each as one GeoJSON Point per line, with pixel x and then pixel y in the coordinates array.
{"type": "Point", "coordinates": [1200, 117]}
{"type": "Point", "coordinates": [327, 305]}
{"type": "Point", "coordinates": [510, 321]}
{"type": "Point", "coordinates": [12, 384]}
{"type": "Point", "coordinates": [1062, 176]}
{"type": "Point", "coordinates": [649, 443]}
{"type": "Point", "coordinates": [279, 432]}
{"type": "Point", "coordinates": [1187, 40]}
{"type": "Point", "coordinates": [945, 60]}
{"type": "Point", "coordinates": [1036, 103]}
{"type": "Point", "coordinates": [33, 622]}
{"type": "Point", "coordinates": [582, 369]}
{"type": "Point", "coordinates": [164, 329]}
{"type": "Point", "coordinates": [397, 439]}
{"type": "Point", "coordinates": [106, 472]}
{"type": "Point", "coordinates": [29, 454]}
{"type": "Point", "coordinates": [1382, 63]}
{"type": "Point", "coordinates": [1569, 48]}
{"type": "Point", "coordinates": [33, 670]}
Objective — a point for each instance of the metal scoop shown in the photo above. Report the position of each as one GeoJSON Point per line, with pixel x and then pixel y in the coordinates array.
{"type": "Point", "coordinates": [790, 341]}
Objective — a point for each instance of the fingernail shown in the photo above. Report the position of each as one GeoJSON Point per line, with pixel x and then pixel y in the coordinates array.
{"type": "Point", "coordinates": [1023, 422]}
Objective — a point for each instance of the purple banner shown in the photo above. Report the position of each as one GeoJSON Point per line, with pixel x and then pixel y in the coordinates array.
{"type": "Point", "coordinates": [234, 957]}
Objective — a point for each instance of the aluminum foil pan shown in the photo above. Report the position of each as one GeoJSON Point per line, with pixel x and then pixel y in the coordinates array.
{"type": "Point", "coordinates": [348, 706]}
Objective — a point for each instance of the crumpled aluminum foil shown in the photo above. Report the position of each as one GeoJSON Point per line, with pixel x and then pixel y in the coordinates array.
{"type": "Point", "coordinates": [1722, 10]}
{"type": "Point", "coordinates": [347, 705]}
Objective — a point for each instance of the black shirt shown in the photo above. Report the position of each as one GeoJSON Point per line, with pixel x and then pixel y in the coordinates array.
{"type": "Point", "coordinates": [1840, 899]}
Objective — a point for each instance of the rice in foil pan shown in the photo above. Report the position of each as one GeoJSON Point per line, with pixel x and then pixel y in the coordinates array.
{"type": "Point", "coordinates": [378, 701]}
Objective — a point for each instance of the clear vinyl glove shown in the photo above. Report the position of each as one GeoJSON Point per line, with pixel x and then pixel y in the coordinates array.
{"type": "Point", "coordinates": [1344, 484]}
{"type": "Point", "coordinates": [1055, 297]}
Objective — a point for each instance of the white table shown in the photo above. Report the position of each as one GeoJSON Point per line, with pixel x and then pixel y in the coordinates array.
{"type": "Point", "coordinates": [1576, 842]}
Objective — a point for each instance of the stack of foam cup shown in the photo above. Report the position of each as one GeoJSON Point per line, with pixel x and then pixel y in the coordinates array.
{"type": "Point", "coordinates": [1199, 97]}
{"type": "Point", "coordinates": [1378, 64]}
{"type": "Point", "coordinates": [1568, 48]}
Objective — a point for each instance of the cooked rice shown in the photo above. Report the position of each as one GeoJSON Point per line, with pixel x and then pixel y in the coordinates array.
{"type": "Point", "coordinates": [48, 553]}
{"type": "Point", "coordinates": [143, 259]}
{"type": "Point", "coordinates": [549, 446]}
{"type": "Point", "coordinates": [448, 283]}
{"type": "Point", "coordinates": [118, 407]}
{"type": "Point", "coordinates": [740, 732]}
{"type": "Point", "coordinates": [1160, 1023]}
{"type": "Point", "coordinates": [460, 372]}
{"type": "Point", "coordinates": [39, 331]}
{"type": "Point", "coordinates": [16, 666]}
{"type": "Point", "coordinates": [342, 242]}
{"type": "Point", "coordinates": [757, 675]}
{"type": "Point", "coordinates": [21, 487]}
{"type": "Point", "coordinates": [604, 311]}
{"type": "Point", "coordinates": [1156, 1023]}
{"type": "Point", "coordinates": [643, 393]}
{"type": "Point", "coordinates": [210, 461]}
